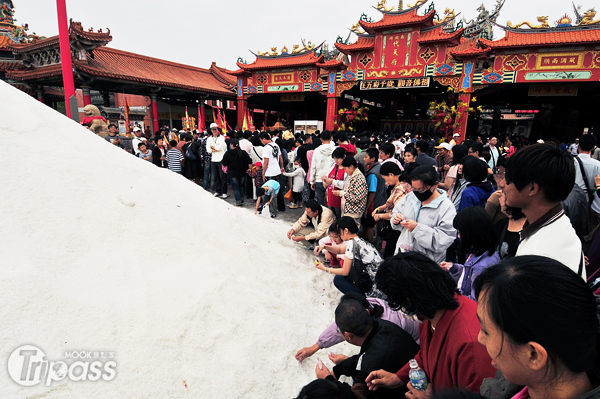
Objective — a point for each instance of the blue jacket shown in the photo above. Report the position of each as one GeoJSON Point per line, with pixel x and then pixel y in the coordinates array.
{"type": "Point", "coordinates": [473, 267]}
{"type": "Point", "coordinates": [476, 194]}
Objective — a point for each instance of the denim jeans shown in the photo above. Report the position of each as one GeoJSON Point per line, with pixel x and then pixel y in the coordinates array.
{"type": "Point", "coordinates": [238, 186]}
{"type": "Point", "coordinates": [218, 181]}
{"type": "Point", "coordinates": [344, 285]}
{"type": "Point", "coordinates": [206, 175]}
{"type": "Point", "coordinates": [320, 191]}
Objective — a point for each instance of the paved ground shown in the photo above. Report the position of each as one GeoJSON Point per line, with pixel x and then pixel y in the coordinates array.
{"type": "Point", "coordinates": [290, 215]}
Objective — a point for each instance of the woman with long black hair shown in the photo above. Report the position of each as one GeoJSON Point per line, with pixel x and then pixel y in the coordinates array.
{"type": "Point", "coordinates": [539, 324]}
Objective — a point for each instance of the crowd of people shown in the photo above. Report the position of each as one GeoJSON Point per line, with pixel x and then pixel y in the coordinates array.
{"type": "Point", "coordinates": [478, 260]}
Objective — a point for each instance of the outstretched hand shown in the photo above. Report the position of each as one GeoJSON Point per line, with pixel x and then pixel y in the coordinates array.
{"type": "Point", "coordinates": [337, 359]}
{"type": "Point", "coordinates": [382, 379]}
{"type": "Point", "coordinates": [306, 352]}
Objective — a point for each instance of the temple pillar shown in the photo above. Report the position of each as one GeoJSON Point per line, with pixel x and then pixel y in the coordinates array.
{"type": "Point", "coordinates": [465, 98]}
{"type": "Point", "coordinates": [154, 105]}
{"type": "Point", "coordinates": [333, 101]}
{"type": "Point", "coordinates": [87, 96]}
{"type": "Point", "coordinates": [242, 110]}
{"type": "Point", "coordinates": [332, 110]}
{"type": "Point", "coordinates": [40, 94]}
{"type": "Point", "coordinates": [466, 88]}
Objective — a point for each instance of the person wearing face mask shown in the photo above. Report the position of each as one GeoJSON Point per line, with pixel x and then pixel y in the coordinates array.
{"type": "Point", "coordinates": [298, 176]}
{"type": "Point", "coordinates": [424, 217]}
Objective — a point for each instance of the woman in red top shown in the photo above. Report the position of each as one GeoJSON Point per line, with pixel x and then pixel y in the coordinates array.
{"type": "Point", "coordinates": [336, 175]}
{"type": "Point", "coordinates": [450, 354]}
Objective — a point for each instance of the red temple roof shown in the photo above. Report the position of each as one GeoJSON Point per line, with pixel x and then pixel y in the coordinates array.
{"type": "Point", "coordinates": [438, 35]}
{"type": "Point", "coordinates": [332, 64]}
{"type": "Point", "coordinates": [390, 20]}
{"type": "Point", "coordinates": [363, 43]}
{"type": "Point", "coordinates": [76, 31]}
{"type": "Point", "coordinates": [284, 61]}
{"type": "Point", "coordinates": [118, 64]}
{"type": "Point", "coordinates": [468, 48]}
{"type": "Point", "coordinates": [551, 37]}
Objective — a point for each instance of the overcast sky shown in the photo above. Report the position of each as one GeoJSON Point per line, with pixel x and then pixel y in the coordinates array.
{"type": "Point", "coordinates": [199, 32]}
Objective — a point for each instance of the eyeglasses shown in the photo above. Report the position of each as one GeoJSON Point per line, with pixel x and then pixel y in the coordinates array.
{"type": "Point", "coordinates": [424, 189]}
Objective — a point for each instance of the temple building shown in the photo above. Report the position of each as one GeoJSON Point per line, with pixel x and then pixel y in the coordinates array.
{"type": "Point", "coordinates": [416, 70]}
{"type": "Point", "coordinates": [156, 91]}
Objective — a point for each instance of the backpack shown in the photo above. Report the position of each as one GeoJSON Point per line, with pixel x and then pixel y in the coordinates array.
{"type": "Point", "coordinates": [189, 153]}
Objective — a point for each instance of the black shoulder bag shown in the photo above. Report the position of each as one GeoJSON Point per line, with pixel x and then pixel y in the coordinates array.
{"type": "Point", "coordinates": [358, 275]}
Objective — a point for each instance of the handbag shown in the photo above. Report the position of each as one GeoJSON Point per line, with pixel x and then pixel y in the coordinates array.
{"type": "Point", "coordinates": [384, 230]}
{"type": "Point", "coordinates": [358, 275]}
{"type": "Point", "coordinates": [189, 153]}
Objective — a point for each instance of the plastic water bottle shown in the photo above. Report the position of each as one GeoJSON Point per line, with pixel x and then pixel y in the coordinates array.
{"type": "Point", "coordinates": [417, 376]}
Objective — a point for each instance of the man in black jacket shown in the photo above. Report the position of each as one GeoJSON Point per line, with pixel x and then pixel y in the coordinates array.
{"type": "Point", "coordinates": [383, 345]}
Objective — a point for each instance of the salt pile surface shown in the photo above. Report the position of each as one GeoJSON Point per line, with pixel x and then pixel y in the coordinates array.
{"type": "Point", "coordinates": [102, 251]}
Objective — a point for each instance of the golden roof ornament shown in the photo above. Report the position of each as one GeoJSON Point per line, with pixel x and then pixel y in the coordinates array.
{"type": "Point", "coordinates": [418, 3]}
{"type": "Point", "coordinates": [381, 6]}
{"type": "Point", "coordinates": [356, 28]}
{"type": "Point", "coordinates": [588, 18]}
{"type": "Point", "coordinates": [448, 16]}
{"type": "Point", "coordinates": [296, 49]}
{"type": "Point", "coordinates": [284, 50]}
{"type": "Point", "coordinates": [543, 20]}
{"type": "Point", "coordinates": [267, 54]}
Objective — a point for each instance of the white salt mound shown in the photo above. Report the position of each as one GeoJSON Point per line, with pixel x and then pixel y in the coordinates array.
{"type": "Point", "coordinates": [101, 251]}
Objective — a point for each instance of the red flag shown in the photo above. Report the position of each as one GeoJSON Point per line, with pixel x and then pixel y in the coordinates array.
{"type": "Point", "coordinates": [126, 112]}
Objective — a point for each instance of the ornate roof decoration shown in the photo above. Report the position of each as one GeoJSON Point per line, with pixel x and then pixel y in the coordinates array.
{"type": "Point", "coordinates": [282, 61]}
{"type": "Point", "coordinates": [363, 43]}
{"type": "Point", "coordinates": [469, 48]}
{"type": "Point", "coordinates": [587, 19]}
{"type": "Point", "coordinates": [10, 33]}
{"type": "Point", "coordinates": [542, 37]}
{"type": "Point", "coordinates": [481, 27]}
{"type": "Point", "coordinates": [80, 40]}
{"type": "Point", "coordinates": [296, 49]}
{"type": "Point", "coordinates": [438, 34]}
{"type": "Point", "coordinates": [402, 18]}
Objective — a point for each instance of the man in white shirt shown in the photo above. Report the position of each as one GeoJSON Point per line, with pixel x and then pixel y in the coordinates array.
{"type": "Point", "coordinates": [321, 165]}
{"type": "Point", "coordinates": [245, 143]}
{"type": "Point", "coordinates": [273, 166]}
{"type": "Point", "coordinates": [399, 146]}
{"type": "Point", "coordinates": [137, 139]}
{"type": "Point", "coordinates": [573, 148]}
{"type": "Point", "coordinates": [215, 144]}
{"type": "Point", "coordinates": [538, 178]}
{"type": "Point", "coordinates": [494, 154]}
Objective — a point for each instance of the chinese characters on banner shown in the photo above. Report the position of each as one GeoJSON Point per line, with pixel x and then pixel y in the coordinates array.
{"type": "Point", "coordinates": [395, 49]}
{"type": "Point", "coordinates": [554, 90]}
{"type": "Point", "coordinates": [394, 83]}
{"type": "Point", "coordinates": [559, 60]}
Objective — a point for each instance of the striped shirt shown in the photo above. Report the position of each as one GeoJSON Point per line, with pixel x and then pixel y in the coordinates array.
{"type": "Point", "coordinates": [174, 158]}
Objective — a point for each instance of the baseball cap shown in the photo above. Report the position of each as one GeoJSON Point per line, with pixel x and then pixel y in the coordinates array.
{"type": "Point", "coordinates": [214, 125]}
{"type": "Point", "coordinates": [456, 135]}
{"type": "Point", "coordinates": [445, 146]}
{"type": "Point", "coordinates": [258, 164]}
{"type": "Point", "coordinates": [137, 129]}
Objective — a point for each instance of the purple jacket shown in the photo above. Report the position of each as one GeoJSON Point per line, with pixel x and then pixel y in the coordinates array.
{"type": "Point", "coordinates": [330, 336]}
{"type": "Point", "coordinates": [472, 268]}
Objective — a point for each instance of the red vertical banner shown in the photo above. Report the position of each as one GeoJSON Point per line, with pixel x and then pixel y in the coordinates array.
{"type": "Point", "coordinates": [126, 112]}
{"type": "Point", "coordinates": [464, 118]}
{"type": "Point", "coordinates": [332, 110]}
{"type": "Point", "coordinates": [154, 100]}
